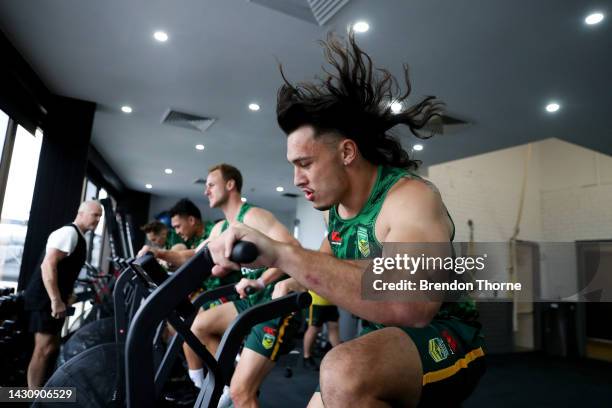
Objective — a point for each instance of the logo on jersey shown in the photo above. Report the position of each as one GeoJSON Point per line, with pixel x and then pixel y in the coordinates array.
{"type": "Point", "coordinates": [362, 241]}
{"type": "Point", "coordinates": [336, 239]}
{"type": "Point", "coordinates": [450, 340]}
{"type": "Point", "coordinates": [268, 338]}
{"type": "Point", "coordinates": [251, 273]}
{"type": "Point", "coordinates": [437, 349]}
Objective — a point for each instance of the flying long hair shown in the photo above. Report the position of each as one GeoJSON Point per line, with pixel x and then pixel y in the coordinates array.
{"type": "Point", "coordinates": [354, 100]}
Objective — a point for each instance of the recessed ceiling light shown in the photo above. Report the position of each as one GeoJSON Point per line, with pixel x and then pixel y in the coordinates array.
{"type": "Point", "coordinates": [243, 199]}
{"type": "Point", "coordinates": [148, 186]}
{"type": "Point", "coordinates": [594, 18]}
{"type": "Point", "coordinates": [417, 147]}
{"type": "Point", "coordinates": [280, 189]}
{"type": "Point", "coordinates": [361, 27]}
{"type": "Point", "coordinates": [254, 107]}
{"type": "Point", "coordinates": [396, 107]}
{"type": "Point", "coordinates": [126, 109]}
{"type": "Point", "coordinates": [199, 147]}
{"type": "Point", "coordinates": [160, 36]}
{"type": "Point", "coordinates": [168, 171]}
{"type": "Point", "coordinates": [552, 107]}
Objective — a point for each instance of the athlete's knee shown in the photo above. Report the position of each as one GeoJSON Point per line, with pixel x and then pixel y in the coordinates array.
{"type": "Point", "coordinates": [203, 325]}
{"type": "Point", "coordinates": [199, 327]}
{"type": "Point", "coordinates": [45, 349]}
{"type": "Point", "coordinates": [343, 377]}
{"type": "Point", "coordinates": [46, 341]}
{"type": "Point", "coordinates": [242, 393]}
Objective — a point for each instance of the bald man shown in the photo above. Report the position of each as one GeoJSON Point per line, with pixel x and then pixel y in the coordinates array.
{"type": "Point", "coordinates": [51, 285]}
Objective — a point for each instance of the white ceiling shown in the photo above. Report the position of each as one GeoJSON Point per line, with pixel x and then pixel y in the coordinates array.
{"type": "Point", "coordinates": [496, 63]}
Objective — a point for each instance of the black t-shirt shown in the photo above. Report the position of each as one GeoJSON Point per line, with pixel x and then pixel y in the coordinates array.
{"type": "Point", "coordinates": [36, 296]}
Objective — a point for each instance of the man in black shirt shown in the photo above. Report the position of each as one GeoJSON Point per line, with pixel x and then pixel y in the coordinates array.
{"type": "Point", "coordinates": [51, 285]}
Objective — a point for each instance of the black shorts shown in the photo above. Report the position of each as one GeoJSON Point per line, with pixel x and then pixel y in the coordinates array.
{"type": "Point", "coordinates": [317, 315]}
{"type": "Point", "coordinates": [41, 321]}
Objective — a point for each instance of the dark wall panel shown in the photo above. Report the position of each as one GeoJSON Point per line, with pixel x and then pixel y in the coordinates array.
{"type": "Point", "coordinates": [24, 97]}
{"type": "Point", "coordinates": [496, 319]}
{"type": "Point", "coordinates": [61, 170]}
{"type": "Point", "coordinates": [136, 205]}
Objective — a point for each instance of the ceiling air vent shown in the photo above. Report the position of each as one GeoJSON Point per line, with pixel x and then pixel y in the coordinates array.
{"type": "Point", "coordinates": [445, 124]}
{"type": "Point", "coordinates": [199, 180]}
{"type": "Point", "coordinates": [313, 11]}
{"type": "Point", "coordinates": [187, 121]}
{"type": "Point", "coordinates": [290, 195]}
{"type": "Point", "coordinates": [324, 10]}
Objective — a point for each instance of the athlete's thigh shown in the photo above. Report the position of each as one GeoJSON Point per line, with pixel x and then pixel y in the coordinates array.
{"type": "Point", "coordinates": [385, 363]}
{"type": "Point", "coordinates": [216, 319]}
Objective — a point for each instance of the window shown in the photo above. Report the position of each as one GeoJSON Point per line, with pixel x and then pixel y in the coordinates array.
{"type": "Point", "coordinates": [96, 240]}
{"type": "Point", "coordinates": [4, 120]}
{"type": "Point", "coordinates": [17, 202]}
{"type": "Point", "coordinates": [91, 191]}
{"type": "Point", "coordinates": [97, 243]}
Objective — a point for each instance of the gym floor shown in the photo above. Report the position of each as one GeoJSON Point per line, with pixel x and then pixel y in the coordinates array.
{"type": "Point", "coordinates": [511, 380]}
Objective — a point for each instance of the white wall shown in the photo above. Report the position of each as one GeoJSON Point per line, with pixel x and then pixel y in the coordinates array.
{"type": "Point", "coordinates": [576, 192]}
{"type": "Point", "coordinates": [487, 190]}
{"type": "Point", "coordinates": [286, 218]}
{"type": "Point", "coordinates": [312, 226]}
{"type": "Point", "coordinates": [576, 204]}
{"type": "Point", "coordinates": [568, 198]}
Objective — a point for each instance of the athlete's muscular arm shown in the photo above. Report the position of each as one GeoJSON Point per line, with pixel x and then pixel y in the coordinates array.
{"type": "Point", "coordinates": [174, 257]}
{"type": "Point", "coordinates": [291, 284]}
{"type": "Point", "coordinates": [178, 256]}
{"type": "Point", "coordinates": [49, 278]}
{"type": "Point", "coordinates": [412, 213]}
{"type": "Point", "coordinates": [214, 232]}
{"type": "Point", "coordinates": [179, 247]}
{"type": "Point", "coordinates": [265, 222]}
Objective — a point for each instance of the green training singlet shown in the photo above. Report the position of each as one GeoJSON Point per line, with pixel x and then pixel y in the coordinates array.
{"type": "Point", "coordinates": [196, 240]}
{"type": "Point", "coordinates": [266, 293]}
{"type": "Point", "coordinates": [172, 239]}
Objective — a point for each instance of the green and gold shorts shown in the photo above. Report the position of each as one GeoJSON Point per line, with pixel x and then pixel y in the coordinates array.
{"type": "Point", "coordinates": [452, 354]}
{"type": "Point", "coordinates": [272, 338]}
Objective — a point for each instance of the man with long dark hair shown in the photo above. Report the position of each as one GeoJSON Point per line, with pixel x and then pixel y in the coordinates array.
{"type": "Point", "coordinates": [425, 353]}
